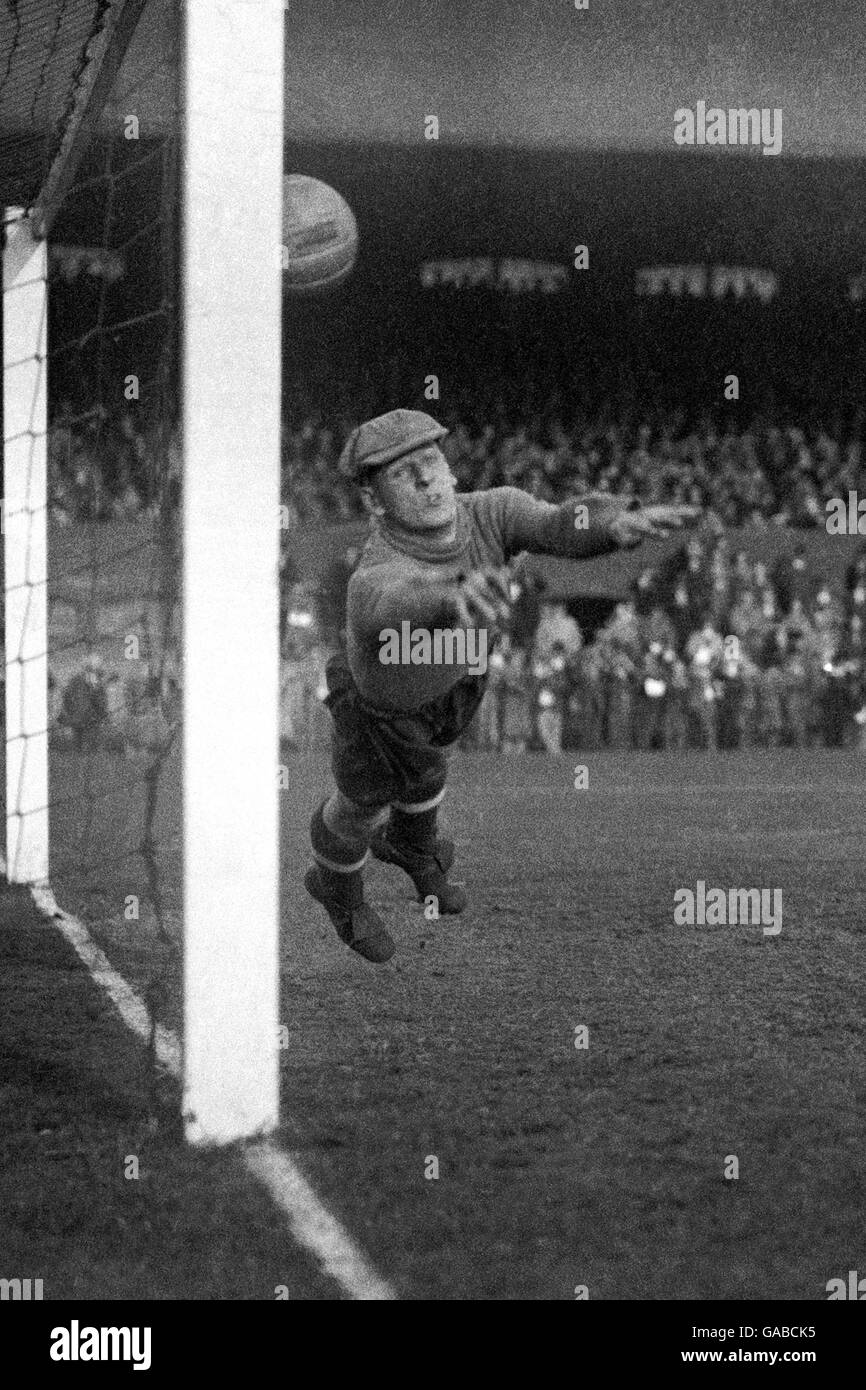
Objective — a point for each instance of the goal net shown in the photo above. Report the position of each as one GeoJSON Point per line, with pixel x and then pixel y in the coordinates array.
{"type": "Point", "coordinates": [140, 510]}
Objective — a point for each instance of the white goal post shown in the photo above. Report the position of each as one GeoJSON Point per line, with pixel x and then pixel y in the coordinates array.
{"type": "Point", "coordinates": [232, 179]}
{"type": "Point", "coordinates": [25, 548]}
{"type": "Point", "coordinates": [231, 99]}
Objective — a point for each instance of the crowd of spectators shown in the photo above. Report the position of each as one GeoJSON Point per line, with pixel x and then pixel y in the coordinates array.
{"type": "Point", "coordinates": [100, 705]}
{"type": "Point", "coordinates": [105, 466]}
{"type": "Point", "coordinates": [714, 649]}
{"type": "Point", "coordinates": [765, 471]}
{"type": "Point", "coordinates": [711, 650]}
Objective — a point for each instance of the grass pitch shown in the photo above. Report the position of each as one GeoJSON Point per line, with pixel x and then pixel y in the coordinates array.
{"type": "Point", "coordinates": [558, 1166]}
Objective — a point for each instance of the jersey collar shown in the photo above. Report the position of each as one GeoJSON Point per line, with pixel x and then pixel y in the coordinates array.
{"type": "Point", "coordinates": [414, 544]}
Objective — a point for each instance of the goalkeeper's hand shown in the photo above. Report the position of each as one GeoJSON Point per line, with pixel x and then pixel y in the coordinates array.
{"type": "Point", "coordinates": [483, 598]}
{"type": "Point", "coordinates": [630, 528]}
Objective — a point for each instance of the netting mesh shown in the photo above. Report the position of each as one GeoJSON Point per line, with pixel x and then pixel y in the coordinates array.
{"type": "Point", "coordinates": [114, 494]}
{"type": "Point", "coordinates": [48, 53]}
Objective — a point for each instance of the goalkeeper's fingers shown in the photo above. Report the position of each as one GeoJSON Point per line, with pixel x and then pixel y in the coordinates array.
{"type": "Point", "coordinates": [484, 595]}
{"type": "Point", "coordinates": [673, 516]}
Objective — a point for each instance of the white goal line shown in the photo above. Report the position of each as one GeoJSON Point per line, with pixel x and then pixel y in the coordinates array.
{"type": "Point", "coordinates": [312, 1225]}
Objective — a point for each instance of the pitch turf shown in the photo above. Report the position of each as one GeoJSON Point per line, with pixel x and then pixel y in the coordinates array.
{"type": "Point", "coordinates": [558, 1166]}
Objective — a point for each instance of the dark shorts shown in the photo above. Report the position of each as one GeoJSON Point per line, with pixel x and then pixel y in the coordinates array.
{"type": "Point", "coordinates": [380, 756]}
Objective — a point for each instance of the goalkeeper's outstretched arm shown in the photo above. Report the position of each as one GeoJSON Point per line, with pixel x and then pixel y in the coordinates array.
{"type": "Point", "coordinates": [581, 527]}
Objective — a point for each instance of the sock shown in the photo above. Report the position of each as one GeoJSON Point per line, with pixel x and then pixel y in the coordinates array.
{"type": "Point", "coordinates": [331, 853]}
{"type": "Point", "coordinates": [414, 829]}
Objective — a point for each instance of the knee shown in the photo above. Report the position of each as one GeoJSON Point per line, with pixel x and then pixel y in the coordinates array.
{"type": "Point", "coordinates": [350, 821]}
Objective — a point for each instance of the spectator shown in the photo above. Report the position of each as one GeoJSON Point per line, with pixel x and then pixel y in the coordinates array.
{"type": "Point", "coordinates": [515, 690]}
{"type": "Point", "coordinates": [704, 652]}
{"type": "Point", "coordinates": [553, 687]}
{"type": "Point", "coordinates": [84, 710]}
{"type": "Point", "coordinates": [555, 628]}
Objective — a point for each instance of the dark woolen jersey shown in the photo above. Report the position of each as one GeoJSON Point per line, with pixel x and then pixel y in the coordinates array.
{"type": "Point", "coordinates": [404, 578]}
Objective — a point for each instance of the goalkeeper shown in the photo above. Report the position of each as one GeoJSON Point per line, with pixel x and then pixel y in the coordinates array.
{"type": "Point", "coordinates": [434, 561]}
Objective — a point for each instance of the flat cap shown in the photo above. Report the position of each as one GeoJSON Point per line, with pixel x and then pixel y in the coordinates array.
{"type": "Point", "coordinates": [386, 438]}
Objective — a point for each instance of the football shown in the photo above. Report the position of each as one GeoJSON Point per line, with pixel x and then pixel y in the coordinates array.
{"type": "Point", "coordinates": [320, 235]}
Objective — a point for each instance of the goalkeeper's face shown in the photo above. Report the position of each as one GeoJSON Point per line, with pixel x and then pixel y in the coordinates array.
{"type": "Point", "coordinates": [415, 492]}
